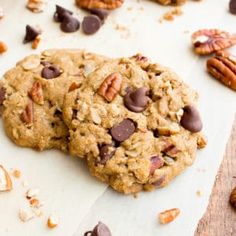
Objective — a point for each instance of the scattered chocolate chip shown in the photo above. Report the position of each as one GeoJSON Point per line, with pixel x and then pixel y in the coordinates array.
{"type": "Point", "coordinates": [101, 13]}
{"type": "Point", "coordinates": [69, 23]}
{"type": "Point", "coordinates": [136, 100]}
{"type": "Point", "coordinates": [156, 163]}
{"type": "Point", "coordinates": [99, 230]}
{"type": "Point", "coordinates": [59, 14]}
{"type": "Point", "coordinates": [91, 24]}
{"type": "Point", "coordinates": [232, 6]}
{"type": "Point", "coordinates": [30, 34]}
{"type": "Point", "coordinates": [123, 130]}
{"type": "Point", "coordinates": [2, 95]}
{"type": "Point", "coordinates": [105, 153]}
{"type": "Point", "coordinates": [191, 119]}
{"type": "Point", "coordinates": [50, 72]}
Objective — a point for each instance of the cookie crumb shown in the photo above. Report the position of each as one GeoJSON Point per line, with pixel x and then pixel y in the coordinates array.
{"type": "Point", "coordinates": [25, 215]}
{"type": "Point", "coordinates": [16, 173]}
{"type": "Point", "coordinates": [33, 192]}
{"type": "Point", "coordinates": [170, 15]}
{"type": "Point", "coordinates": [199, 193]}
{"type": "Point", "coordinates": [3, 47]}
{"type": "Point", "coordinates": [52, 222]}
{"type": "Point", "coordinates": [5, 180]}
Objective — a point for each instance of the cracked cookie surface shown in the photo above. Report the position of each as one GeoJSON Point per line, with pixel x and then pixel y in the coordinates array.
{"type": "Point", "coordinates": [33, 93]}
{"type": "Point", "coordinates": [135, 123]}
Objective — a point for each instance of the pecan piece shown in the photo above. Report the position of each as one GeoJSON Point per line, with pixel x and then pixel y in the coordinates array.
{"type": "Point", "coordinates": [223, 68]}
{"type": "Point", "coordinates": [73, 87]}
{"type": "Point", "coordinates": [171, 2]}
{"type": "Point", "coordinates": [36, 93]}
{"type": "Point", "coordinates": [110, 87]}
{"type": "Point", "coordinates": [99, 4]}
{"type": "Point", "coordinates": [3, 47]}
{"type": "Point", "coordinates": [27, 116]}
{"type": "Point", "coordinates": [168, 216]}
{"type": "Point", "coordinates": [141, 60]}
{"type": "Point", "coordinates": [207, 41]}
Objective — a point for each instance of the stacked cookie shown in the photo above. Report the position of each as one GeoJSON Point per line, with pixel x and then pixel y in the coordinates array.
{"type": "Point", "coordinates": [133, 121]}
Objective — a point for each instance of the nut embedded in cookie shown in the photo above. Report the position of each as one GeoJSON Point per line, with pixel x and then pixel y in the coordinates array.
{"type": "Point", "coordinates": [103, 4]}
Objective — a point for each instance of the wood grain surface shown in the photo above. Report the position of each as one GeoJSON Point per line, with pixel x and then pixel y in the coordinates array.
{"type": "Point", "coordinates": [220, 217]}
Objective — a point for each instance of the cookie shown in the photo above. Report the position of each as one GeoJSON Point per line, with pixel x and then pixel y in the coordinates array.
{"type": "Point", "coordinates": [135, 122]}
{"type": "Point", "coordinates": [32, 96]}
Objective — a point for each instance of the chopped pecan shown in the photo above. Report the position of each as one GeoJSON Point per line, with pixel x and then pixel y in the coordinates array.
{"type": "Point", "coordinates": [168, 216]}
{"type": "Point", "coordinates": [27, 116]}
{"type": "Point", "coordinates": [141, 60]}
{"type": "Point", "coordinates": [223, 68]}
{"type": "Point", "coordinates": [207, 41]}
{"type": "Point", "coordinates": [103, 4]}
{"type": "Point", "coordinates": [35, 6]}
{"type": "Point", "coordinates": [171, 2]}
{"type": "Point", "coordinates": [73, 87]}
{"type": "Point", "coordinates": [110, 86]}
{"type": "Point", "coordinates": [36, 93]}
{"type": "Point", "coordinates": [3, 47]}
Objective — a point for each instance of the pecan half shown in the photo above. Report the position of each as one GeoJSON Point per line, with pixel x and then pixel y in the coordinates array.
{"type": "Point", "coordinates": [103, 4]}
{"type": "Point", "coordinates": [171, 2]}
{"type": "Point", "coordinates": [223, 68]}
{"type": "Point", "coordinates": [207, 41]}
{"type": "Point", "coordinates": [110, 86]}
{"type": "Point", "coordinates": [36, 93]}
{"type": "Point", "coordinates": [27, 116]}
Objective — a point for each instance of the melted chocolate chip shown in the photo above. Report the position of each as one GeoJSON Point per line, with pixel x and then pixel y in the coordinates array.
{"type": "Point", "coordinates": [101, 13]}
{"type": "Point", "coordinates": [123, 130]}
{"type": "Point", "coordinates": [69, 23]}
{"type": "Point", "coordinates": [156, 163]}
{"type": "Point", "coordinates": [106, 152]}
{"type": "Point", "coordinates": [136, 100]}
{"type": "Point", "coordinates": [50, 72]}
{"type": "Point", "coordinates": [191, 119]}
{"type": "Point", "coordinates": [232, 6]}
{"type": "Point", "coordinates": [30, 34]}
{"type": "Point", "coordinates": [2, 95]}
{"type": "Point", "coordinates": [59, 14]}
{"type": "Point", "coordinates": [99, 230]}
{"type": "Point", "coordinates": [91, 24]}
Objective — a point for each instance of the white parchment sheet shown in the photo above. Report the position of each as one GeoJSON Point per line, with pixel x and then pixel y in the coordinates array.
{"type": "Point", "coordinates": [66, 187]}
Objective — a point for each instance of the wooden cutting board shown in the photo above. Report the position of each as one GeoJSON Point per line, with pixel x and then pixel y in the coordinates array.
{"type": "Point", "coordinates": [220, 217]}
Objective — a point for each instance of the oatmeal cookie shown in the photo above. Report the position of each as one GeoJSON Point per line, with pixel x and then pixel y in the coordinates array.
{"type": "Point", "coordinates": [135, 122]}
{"type": "Point", "coordinates": [32, 93]}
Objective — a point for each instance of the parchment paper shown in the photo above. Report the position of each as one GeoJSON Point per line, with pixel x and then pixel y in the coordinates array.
{"type": "Point", "coordinates": [66, 187]}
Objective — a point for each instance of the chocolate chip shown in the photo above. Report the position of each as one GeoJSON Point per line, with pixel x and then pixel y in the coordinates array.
{"type": "Point", "coordinates": [191, 119]}
{"type": "Point", "coordinates": [30, 34]}
{"type": "Point", "coordinates": [2, 95]}
{"type": "Point", "coordinates": [99, 230]}
{"type": "Point", "coordinates": [136, 100]}
{"type": "Point", "coordinates": [156, 163]}
{"type": "Point", "coordinates": [91, 24]}
{"type": "Point", "coordinates": [59, 14]}
{"type": "Point", "coordinates": [105, 153]}
{"type": "Point", "coordinates": [50, 72]}
{"type": "Point", "coordinates": [101, 13]}
{"type": "Point", "coordinates": [69, 23]}
{"type": "Point", "coordinates": [232, 6]}
{"type": "Point", "coordinates": [123, 130]}
{"type": "Point", "coordinates": [156, 133]}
